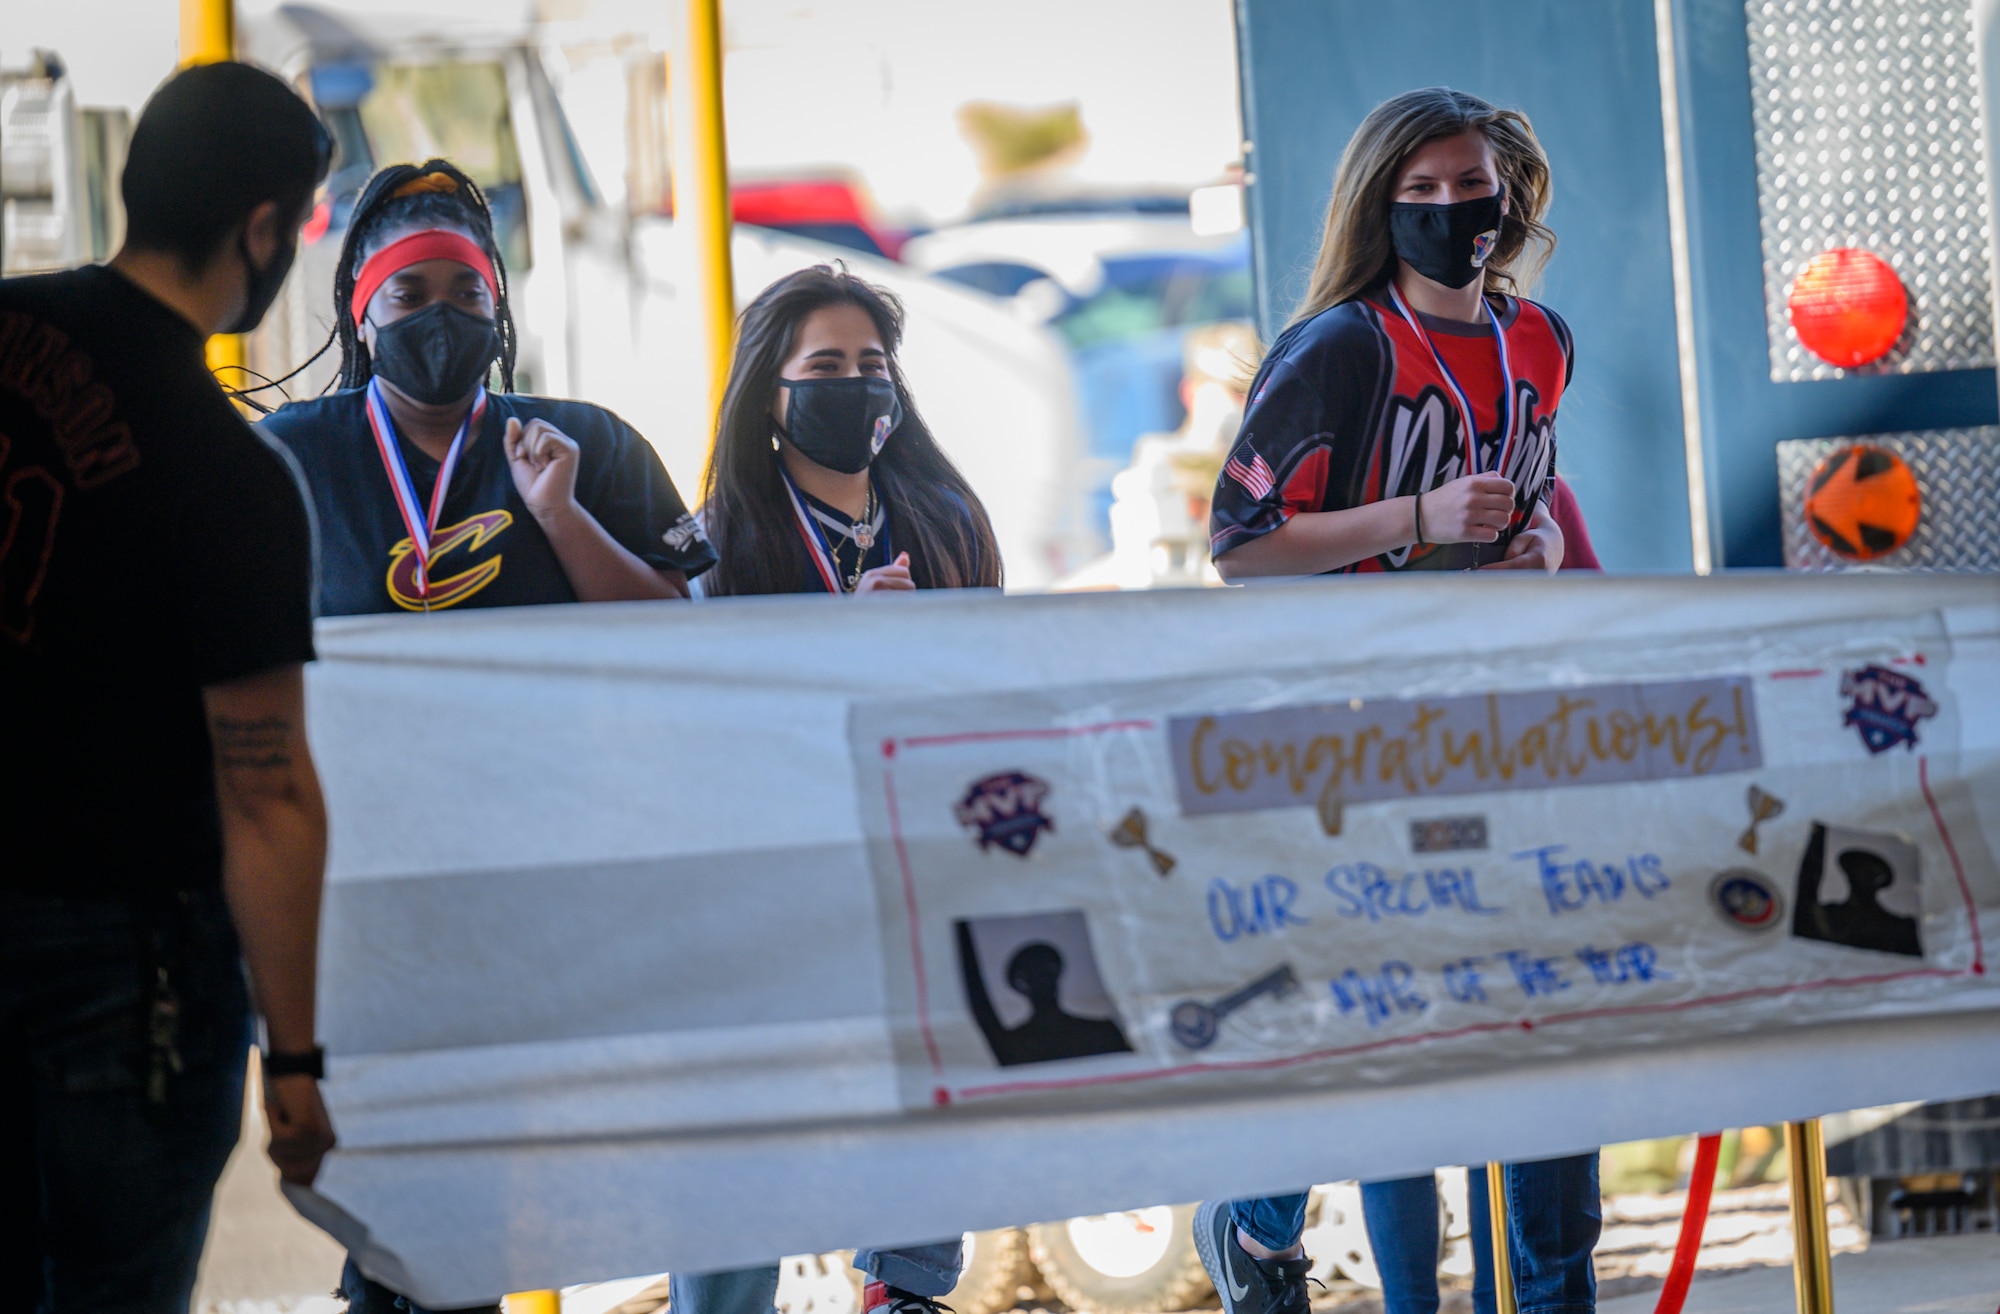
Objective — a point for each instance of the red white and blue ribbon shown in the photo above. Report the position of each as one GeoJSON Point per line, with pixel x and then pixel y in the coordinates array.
{"type": "Point", "coordinates": [817, 545]}
{"type": "Point", "coordinates": [421, 524]}
{"type": "Point", "coordinates": [1471, 430]}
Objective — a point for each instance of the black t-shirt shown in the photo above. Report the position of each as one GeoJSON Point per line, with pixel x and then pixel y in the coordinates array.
{"type": "Point", "coordinates": [150, 544]}
{"type": "Point", "coordinates": [487, 551]}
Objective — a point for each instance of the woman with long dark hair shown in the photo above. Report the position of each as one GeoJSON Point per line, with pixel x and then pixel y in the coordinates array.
{"type": "Point", "coordinates": [434, 492]}
{"type": "Point", "coordinates": [825, 477]}
{"type": "Point", "coordinates": [1406, 421]}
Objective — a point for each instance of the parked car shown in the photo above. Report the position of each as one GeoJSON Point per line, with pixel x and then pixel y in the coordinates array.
{"type": "Point", "coordinates": [835, 210]}
{"type": "Point", "coordinates": [1122, 288]}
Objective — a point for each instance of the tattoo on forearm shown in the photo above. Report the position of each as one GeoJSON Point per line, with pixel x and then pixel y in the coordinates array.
{"type": "Point", "coordinates": [264, 744]}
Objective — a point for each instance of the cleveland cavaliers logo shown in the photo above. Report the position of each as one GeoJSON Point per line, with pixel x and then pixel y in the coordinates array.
{"type": "Point", "coordinates": [470, 534]}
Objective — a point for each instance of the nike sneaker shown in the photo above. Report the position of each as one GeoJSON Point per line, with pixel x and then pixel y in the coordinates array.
{"type": "Point", "coordinates": [881, 1298]}
{"type": "Point", "coordinates": [1247, 1284]}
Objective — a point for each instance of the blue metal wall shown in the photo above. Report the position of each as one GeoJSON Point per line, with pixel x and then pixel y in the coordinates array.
{"type": "Point", "coordinates": [1744, 414]}
{"type": "Point", "coordinates": [1586, 73]}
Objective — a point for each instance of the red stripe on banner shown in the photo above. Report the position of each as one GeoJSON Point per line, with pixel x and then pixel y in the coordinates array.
{"type": "Point", "coordinates": [1391, 1042]}
{"type": "Point", "coordinates": [994, 736]}
{"type": "Point", "coordinates": [916, 930]}
{"type": "Point", "coordinates": [1957, 867]}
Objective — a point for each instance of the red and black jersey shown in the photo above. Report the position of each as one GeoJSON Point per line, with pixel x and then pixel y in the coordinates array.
{"type": "Point", "coordinates": [1350, 408]}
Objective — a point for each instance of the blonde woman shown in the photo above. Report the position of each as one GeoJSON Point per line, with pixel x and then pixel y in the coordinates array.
{"type": "Point", "coordinates": [1406, 421]}
{"type": "Point", "coordinates": [1406, 418]}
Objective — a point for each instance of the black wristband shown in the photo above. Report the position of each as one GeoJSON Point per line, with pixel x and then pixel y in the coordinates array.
{"type": "Point", "coordinates": [303, 1063]}
{"type": "Point", "coordinates": [1420, 517]}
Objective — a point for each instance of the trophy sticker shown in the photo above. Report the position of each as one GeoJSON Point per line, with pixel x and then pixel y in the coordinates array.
{"type": "Point", "coordinates": [1762, 808]}
{"type": "Point", "coordinates": [1130, 833]}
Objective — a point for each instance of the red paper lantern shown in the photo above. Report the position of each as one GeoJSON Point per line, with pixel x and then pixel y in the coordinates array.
{"type": "Point", "coordinates": [1848, 307]}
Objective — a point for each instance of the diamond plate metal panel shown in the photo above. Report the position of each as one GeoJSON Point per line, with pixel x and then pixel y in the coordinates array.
{"type": "Point", "coordinates": [1958, 473]}
{"type": "Point", "coordinates": [1869, 133]}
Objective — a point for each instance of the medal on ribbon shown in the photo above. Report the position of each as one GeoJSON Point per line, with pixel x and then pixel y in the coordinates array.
{"type": "Point", "coordinates": [417, 520]}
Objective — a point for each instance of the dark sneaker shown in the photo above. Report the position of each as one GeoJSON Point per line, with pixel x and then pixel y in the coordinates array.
{"type": "Point", "coordinates": [881, 1298]}
{"type": "Point", "coordinates": [1246, 1284]}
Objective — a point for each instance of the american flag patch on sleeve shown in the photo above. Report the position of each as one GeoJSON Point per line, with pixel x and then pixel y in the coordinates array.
{"type": "Point", "coordinates": [1256, 477]}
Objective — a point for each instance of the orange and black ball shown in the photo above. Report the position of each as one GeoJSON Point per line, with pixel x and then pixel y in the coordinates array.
{"type": "Point", "coordinates": [1863, 502]}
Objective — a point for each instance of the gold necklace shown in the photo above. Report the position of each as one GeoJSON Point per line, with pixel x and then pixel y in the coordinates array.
{"type": "Point", "coordinates": [862, 533]}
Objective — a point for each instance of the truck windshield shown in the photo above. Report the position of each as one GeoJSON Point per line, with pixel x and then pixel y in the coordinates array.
{"type": "Point", "coordinates": [457, 111]}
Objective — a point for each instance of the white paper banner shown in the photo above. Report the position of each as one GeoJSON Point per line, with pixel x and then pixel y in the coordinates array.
{"type": "Point", "coordinates": [1349, 876]}
{"type": "Point", "coordinates": [683, 937]}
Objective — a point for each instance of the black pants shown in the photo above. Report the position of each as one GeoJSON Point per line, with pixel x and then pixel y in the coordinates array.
{"type": "Point", "coordinates": [108, 1156]}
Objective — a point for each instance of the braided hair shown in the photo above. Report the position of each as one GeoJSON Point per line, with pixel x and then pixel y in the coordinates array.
{"type": "Point", "coordinates": [434, 193]}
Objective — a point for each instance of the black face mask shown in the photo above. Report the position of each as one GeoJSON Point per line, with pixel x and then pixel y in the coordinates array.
{"type": "Point", "coordinates": [841, 423]}
{"type": "Point", "coordinates": [1447, 244]}
{"type": "Point", "coordinates": [436, 356]}
{"type": "Point", "coordinates": [263, 287]}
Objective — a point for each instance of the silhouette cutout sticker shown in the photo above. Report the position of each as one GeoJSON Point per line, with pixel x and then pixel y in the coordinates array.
{"type": "Point", "coordinates": [1006, 809]}
{"type": "Point", "coordinates": [1859, 889]}
{"type": "Point", "coordinates": [1033, 986]}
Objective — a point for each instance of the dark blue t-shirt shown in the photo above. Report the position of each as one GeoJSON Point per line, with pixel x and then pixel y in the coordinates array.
{"type": "Point", "coordinates": [488, 550]}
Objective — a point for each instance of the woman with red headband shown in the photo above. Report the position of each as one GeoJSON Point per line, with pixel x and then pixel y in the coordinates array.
{"type": "Point", "coordinates": [433, 493]}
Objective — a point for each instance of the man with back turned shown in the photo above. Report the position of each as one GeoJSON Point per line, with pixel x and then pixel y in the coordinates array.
{"type": "Point", "coordinates": [161, 825]}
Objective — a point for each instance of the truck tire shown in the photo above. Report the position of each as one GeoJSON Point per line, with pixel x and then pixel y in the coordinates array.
{"type": "Point", "coordinates": [996, 1268]}
{"type": "Point", "coordinates": [1336, 1239]}
{"type": "Point", "coordinates": [819, 1284]}
{"type": "Point", "coordinates": [1131, 1263]}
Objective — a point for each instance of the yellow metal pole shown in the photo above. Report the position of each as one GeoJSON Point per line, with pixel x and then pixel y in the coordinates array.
{"type": "Point", "coordinates": [208, 35]}
{"type": "Point", "coordinates": [1812, 1271]}
{"type": "Point", "coordinates": [534, 1302]}
{"type": "Point", "coordinates": [701, 184]}
{"type": "Point", "coordinates": [1503, 1255]}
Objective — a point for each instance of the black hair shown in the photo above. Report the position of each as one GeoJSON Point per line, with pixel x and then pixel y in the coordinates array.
{"type": "Point", "coordinates": [215, 142]}
{"type": "Point", "coordinates": [436, 193]}
{"type": "Point", "coordinates": [747, 513]}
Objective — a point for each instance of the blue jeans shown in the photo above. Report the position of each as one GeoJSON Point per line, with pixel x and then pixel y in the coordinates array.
{"type": "Point", "coordinates": [108, 1159]}
{"type": "Point", "coordinates": [927, 1270]}
{"type": "Point", "coordinates": [1553, 1206]}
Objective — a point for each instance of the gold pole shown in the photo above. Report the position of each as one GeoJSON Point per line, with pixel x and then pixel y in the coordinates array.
{"type": "Point", "coordinates": [534, 1302]}
{"type": "Point", "coordinates": [701, 184]}
{"type": "Point", "coordinates": [208, 31]}
{"type": "Point", "coordinates": [1503, 1255]}
{"type": "Point", "coordinates": [1812, 1273]}
{"type": "Point", "coordinates": [208, 36]}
